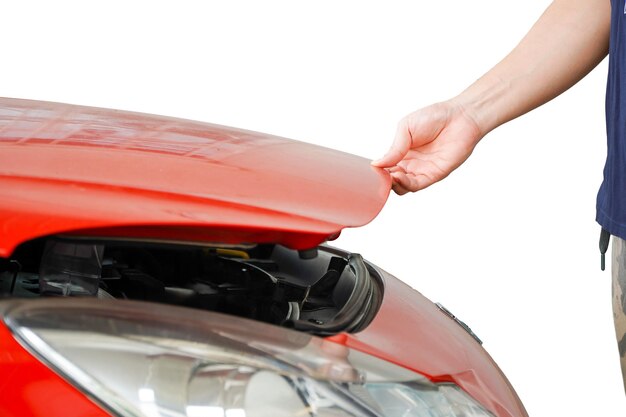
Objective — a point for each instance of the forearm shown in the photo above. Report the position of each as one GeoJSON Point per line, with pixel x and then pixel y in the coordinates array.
{"type": "Point", "coordinates": [567, 42]}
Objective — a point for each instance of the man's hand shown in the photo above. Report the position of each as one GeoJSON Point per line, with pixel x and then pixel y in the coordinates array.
{"type": "Point", "coordinates": [567, 42]}
{"type": "Point", "coordinates": [429, 144]}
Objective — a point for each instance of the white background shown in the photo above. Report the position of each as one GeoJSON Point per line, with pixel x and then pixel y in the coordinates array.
{"type": "Point", "coordinates": [508, 242]}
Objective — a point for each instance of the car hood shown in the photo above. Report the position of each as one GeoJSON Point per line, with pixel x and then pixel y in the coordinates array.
{"type": "Point", "coordinates": [68, 169]}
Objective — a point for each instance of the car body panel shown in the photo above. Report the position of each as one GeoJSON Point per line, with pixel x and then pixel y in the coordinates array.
{"type": "Point", "coordinates": [83, 170]}
{"type": "Point", "coordinates": [409, 330]}
{"type": "Point", "coordinates": [28, 388]}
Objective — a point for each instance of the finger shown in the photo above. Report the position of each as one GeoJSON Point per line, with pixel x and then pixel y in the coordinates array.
{"type": "Point", "coordinates": [395, 186]}
{"type": "Point", "coordinates": [396, 168]}
{"type": "Point", "coordinates": [401, 184]}
{"type": "Point", "coordinates": [398, 189]}
{"type": "Point", "coordinates": [399, 148]}
{"type": "Point", "coordinates": [410, 181]}
{"type": "Point", "coordinates": [404, 165]}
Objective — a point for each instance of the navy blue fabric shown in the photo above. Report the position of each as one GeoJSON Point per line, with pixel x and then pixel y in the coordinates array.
{"type": "Point", "coordinates": [611, 202]}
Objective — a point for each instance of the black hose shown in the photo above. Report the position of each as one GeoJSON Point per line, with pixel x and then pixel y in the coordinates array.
{"type": "Point", "coordinates": [354, 309]}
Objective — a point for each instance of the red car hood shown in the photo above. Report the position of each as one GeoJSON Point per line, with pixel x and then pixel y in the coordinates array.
{"type": "Point", "coordinates": [83, 170]}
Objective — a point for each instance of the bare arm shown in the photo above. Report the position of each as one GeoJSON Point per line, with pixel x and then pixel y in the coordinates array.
{"type": "Point", "coordinates": [567, 42]}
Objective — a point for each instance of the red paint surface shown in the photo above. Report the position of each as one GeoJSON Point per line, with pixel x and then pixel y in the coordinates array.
{"type": "Point", "coordinates": [29, 389]}
{"type": "Point", "coordinates": [69, 169]}
{"type": "Point", "coordinates": [411, 331]}
{"type": "Point", "coordinates": [82, 170]}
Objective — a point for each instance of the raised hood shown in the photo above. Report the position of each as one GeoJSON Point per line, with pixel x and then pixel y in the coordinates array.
{"type": "Point", "coordinates": [77, 170]}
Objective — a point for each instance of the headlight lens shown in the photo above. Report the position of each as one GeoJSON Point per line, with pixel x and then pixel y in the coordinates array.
{"type": "Point", "coordinates": [148, 360]}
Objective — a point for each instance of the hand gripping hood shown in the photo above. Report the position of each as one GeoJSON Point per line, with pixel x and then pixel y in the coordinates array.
{"type": "Point", "coordinates": [68, 169]}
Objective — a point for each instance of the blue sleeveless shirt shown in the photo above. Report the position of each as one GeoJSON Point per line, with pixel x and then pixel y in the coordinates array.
{"type": "Point", "coordinates": [611, 202]}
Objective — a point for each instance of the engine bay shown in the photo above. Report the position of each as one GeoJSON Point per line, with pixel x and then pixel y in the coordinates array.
{"type": "Point", "coordinates": [322, 290]}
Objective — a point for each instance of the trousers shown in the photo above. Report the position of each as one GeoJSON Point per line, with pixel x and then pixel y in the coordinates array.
{"type": "Point", "coordinates": [618, 272]}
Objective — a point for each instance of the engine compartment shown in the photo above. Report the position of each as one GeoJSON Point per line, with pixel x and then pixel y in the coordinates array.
{"type": "Point", "coordinates": [321, 290]}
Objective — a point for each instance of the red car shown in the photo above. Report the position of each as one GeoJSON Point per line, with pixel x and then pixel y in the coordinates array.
{"type": "Point", "coordinates": [152, 266]}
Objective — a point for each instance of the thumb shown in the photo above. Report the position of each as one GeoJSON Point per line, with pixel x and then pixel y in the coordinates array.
{"type": "Point", "coordinates": [399, 148]}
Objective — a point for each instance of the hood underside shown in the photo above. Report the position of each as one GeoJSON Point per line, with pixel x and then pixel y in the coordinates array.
{"type": "Point", "coordinates": [68, 169]}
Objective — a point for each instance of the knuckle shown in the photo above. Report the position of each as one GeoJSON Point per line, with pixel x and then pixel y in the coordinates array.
{"type": "Point", "coordinates": [404, 123]}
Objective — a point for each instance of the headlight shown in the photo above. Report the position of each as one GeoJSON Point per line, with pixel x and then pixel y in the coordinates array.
{"type": "Point", "coordinates": [147, 360]}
